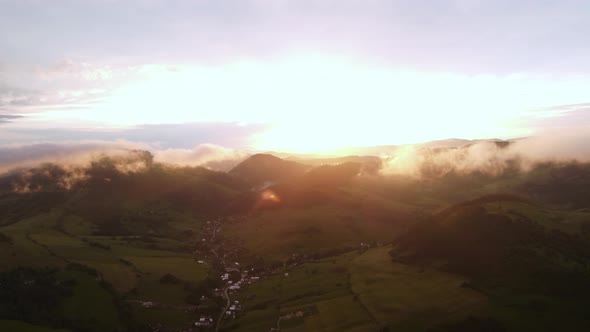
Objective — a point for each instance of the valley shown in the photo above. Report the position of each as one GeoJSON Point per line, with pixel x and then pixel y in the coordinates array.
{"type": "Point", "coordinates": [293, 247]}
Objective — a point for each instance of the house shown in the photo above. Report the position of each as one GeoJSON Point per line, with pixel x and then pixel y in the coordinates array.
{"type": "Point", "coordinates": [204, 322]}
{"type": "Point", "coordinates": [147, 304]}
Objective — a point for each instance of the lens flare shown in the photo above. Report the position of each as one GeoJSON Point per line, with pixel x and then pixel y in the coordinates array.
{"type": "Point", "coordinates": [270, 196]}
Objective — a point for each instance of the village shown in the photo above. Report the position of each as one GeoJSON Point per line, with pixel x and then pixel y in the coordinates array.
{"type": "Point", "coordinates": [234, 278]}
{"type": "Point", "coordinates": [230, 279]}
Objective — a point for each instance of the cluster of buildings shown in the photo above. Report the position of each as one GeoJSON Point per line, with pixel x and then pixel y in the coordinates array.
{"type": "Point", "coordinates": [204, 321]}
{"type": "Point", "coordinates": [147, 304]}
{"type": "Point", "coordinates": [298, 314]}
{"type": "Point", "coordinates": [233, 309]}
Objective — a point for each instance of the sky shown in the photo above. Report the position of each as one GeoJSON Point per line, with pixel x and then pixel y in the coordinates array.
{"type": "Point", "coordinates": [298, 76]}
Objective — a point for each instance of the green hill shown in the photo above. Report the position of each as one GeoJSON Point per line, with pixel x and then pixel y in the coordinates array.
{"type": "Point", "coordinates": [262, 168]}
{"type": "Point", "coordinates": [127, 244]}
{"type": "Point", "coordinates": [512, 254]}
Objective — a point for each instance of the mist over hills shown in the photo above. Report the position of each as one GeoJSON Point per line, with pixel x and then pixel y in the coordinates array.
{"type": "Point", "coordinates": [294, 166]}
{"type": "Point", "coordinates": [488, 238]}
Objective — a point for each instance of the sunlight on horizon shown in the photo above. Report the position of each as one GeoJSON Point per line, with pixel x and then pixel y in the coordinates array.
{"type": "Point", "coordinates": [318, 103]}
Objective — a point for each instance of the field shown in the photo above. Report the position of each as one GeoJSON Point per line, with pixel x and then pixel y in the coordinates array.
{"type": "Point", "coordinates": [90, 304]}
{"type": "Point", "coordinates": [133, 266]}
{"type": "Point", "coordinates": [148, 251]}
{"type": "Point", "coordinates": [311, 230]}
{"type": "Point", "coordinates": [364, 285]}
{"type": "Point", "coordinates": [568, 221]}
{"type": "Point", "coordinates": [319, 289]}
{"type": "Point", "coordinates": [400, 296]}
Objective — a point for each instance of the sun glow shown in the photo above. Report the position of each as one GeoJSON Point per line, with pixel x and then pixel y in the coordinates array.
{"type": "Point", "coordinates": [270, 196]}
{"type": "Point", "coordinates": [321, 103]}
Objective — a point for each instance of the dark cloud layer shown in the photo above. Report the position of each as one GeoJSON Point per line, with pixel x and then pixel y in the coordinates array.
{"type": "Point", "coordinates": [185, 135]}
{"type": "Point", "coordinates": [6, 118]}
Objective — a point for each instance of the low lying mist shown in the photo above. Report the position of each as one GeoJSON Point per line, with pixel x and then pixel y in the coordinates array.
{"type": "Point", "coordinates": [491, 157]}
{"type": "Point", "coordinates": [35, 167]}
{"type": "Point", "coordinates": [67, 154]}
{"type": "Point", "coordinates": [63, 165]}
{"type": "Point", "coordinates": [207, 155]}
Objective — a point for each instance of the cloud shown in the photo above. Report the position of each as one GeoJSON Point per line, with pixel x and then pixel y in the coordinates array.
{"type": "Point", "coordinates": [572, 107]}
{"type": "Point", "coordinates": [556, 145]}
{"type": "Point", "coordinates": [80, 153]}
{"type": "Point", "coordinates": [491, 157]}
{"type": "Point", "coordinates": [19, 100]}
{"type": "Point", "coordinates": [72, 69]}
{"type": "Point", "coordinates": [7, 118]}
{"type": "Point", "coordinates": [458, 34]}
{"type": "Point", "coordinates": [180, 135]}
{"type": "Point", "coordinates": [73, 168]}
{"type": "Point", "coordinates": [208, 155]}
{"type": "Point", "coordinates": [569, 115]}
{"type": "Point", "coordinates": [64, 84]}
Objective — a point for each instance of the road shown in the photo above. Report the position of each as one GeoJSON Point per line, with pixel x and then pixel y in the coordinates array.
{"type": "Point", "coordinates": [225, 289]}
{"type": "Point", "coordinates": [278, 324]}
{"type": "Point", "coordinates": [228, 303]}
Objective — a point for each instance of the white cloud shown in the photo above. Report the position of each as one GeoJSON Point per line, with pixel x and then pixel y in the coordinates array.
{"type": "Point", "coordinates": [207, 155]}
{"type": "Point", "coordinates": [77, 153]}
{"type": "Point", "coordinates": [80, 153]}
{"type": "Point", "coordinates": [488, 157]}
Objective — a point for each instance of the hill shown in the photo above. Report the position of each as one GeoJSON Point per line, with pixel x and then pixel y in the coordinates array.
{"type": "Point", "coordinates": [262, 168]}
{"type": "Point", "coordinates": [369, 164]}
{"type": "Point", "coordinates": [124, 243]}
{"type": "Point", "coordinates": [503, 245]}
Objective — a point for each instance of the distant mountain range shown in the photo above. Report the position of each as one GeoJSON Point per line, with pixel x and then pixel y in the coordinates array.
{"type": "Point", "coordinates": [384, 150]}
{"type": "Point", "coordinates": [132, 244]}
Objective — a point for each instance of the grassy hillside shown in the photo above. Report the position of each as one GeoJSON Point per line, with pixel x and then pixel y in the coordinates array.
{"type": "Point", "coordinates": [126, 244]}
{"type": "Point", "coordinates": [406, 297]}
{"type": "Point", "coordinates": [358, 291]}
{"type": "Point", "coordinates": [125, 230]}
{"type": "Point", "coordinates": [518, 254]}
{"type": "Point", "coordinates": [261, 168]}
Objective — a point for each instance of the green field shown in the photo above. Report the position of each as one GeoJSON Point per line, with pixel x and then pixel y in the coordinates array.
{"type": "Point", "coordinates": [447, 250]}
{"type": "Point", "coordinates": [402, 295]}
{"type": "Point", "coordinates": [320, 289]}
{"type": "Point", "coordinates": [568, 221]}
{"type": "Point", "coordinates": [90, 304]}
{"type": "Point", "coordinates": [367, 286]}
{"type": "Point", "coordinates": [132, 266]}
{"type": "Point", "coordinates": [309, 231]}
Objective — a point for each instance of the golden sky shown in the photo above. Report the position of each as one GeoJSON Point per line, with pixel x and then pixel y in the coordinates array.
{"type": "Point", "coordinates": [300, 76]}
